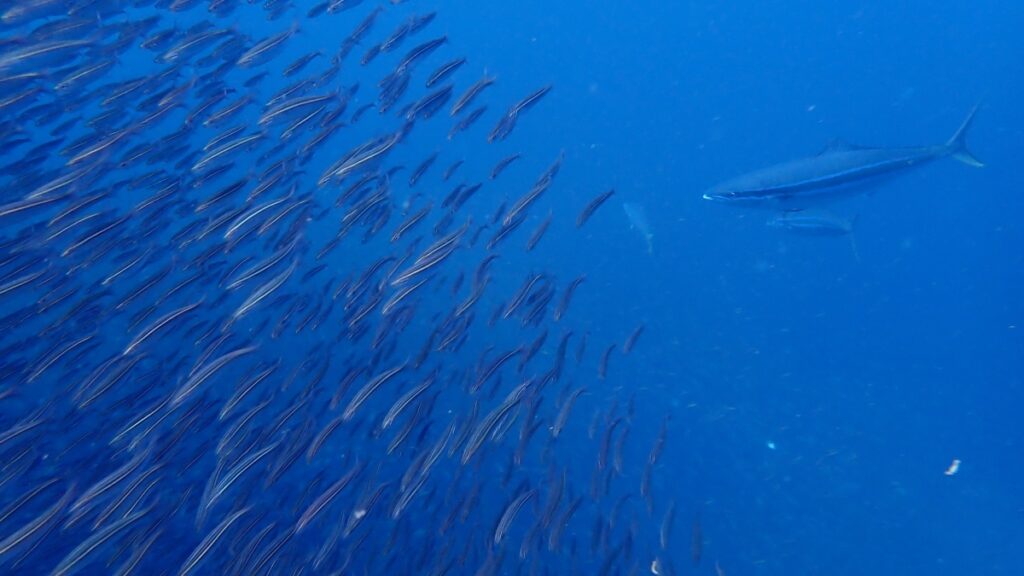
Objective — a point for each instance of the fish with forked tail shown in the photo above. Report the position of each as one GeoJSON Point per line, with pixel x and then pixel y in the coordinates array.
{"type": "Point", "coordinates": [832, 171]}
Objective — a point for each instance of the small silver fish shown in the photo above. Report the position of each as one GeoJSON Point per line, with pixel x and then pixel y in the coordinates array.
{"type": "Point", "coordinates": [812, 223]}
{"type": "Point", "coordinates": [816, 223]}
{"type": "Point", "coordinates": [638, 221]}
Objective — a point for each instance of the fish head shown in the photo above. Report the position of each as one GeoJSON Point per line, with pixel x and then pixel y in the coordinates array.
{"type": "Point", "coordinates": [741, 189]}
{"type": "Point", "coordinates": [747, 194]}
{"type": "Point", "coordinates": [723, 193]}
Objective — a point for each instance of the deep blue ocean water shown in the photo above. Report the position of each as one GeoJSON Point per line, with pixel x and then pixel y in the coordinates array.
{"type": "Point", "coordinates": [811, 393]}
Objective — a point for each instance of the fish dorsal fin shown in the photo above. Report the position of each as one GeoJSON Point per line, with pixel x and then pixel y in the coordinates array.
{"type": "Point", "coordinates": [838, 145]}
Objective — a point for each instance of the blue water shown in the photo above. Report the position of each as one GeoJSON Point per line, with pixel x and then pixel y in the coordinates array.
{"type": "Point", "coordinates": [868, 376]}
{"type": "Point", "coordinates": [811, 392]}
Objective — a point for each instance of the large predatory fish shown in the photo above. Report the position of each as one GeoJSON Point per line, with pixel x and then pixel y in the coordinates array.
{"type": "Point", "coordinates": [834, 170]}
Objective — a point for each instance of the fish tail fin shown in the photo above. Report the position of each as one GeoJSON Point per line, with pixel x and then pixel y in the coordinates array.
{"type": "Point", "coordinates": [957, 145]}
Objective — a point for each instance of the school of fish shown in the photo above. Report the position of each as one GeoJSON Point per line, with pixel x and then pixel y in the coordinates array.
{"type": "Point", "coordinates": [259, 318]}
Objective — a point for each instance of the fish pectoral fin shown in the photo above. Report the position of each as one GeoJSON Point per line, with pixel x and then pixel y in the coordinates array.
{"type": "Point", "coordinates": [853, 247]}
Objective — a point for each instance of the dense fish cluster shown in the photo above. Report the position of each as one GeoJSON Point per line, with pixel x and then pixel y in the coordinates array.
{"type": "Point", "coordinates": [258, 318]}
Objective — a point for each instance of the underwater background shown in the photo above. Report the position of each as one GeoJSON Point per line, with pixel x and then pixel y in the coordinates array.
{"type": "Point", "coordinates": [410, 287]}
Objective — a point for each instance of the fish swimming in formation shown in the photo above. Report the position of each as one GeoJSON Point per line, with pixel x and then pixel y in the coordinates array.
{"type": "Point", "coordinates": [238, 338]}
{"type": "Point", "coordinates": [833, 171]}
